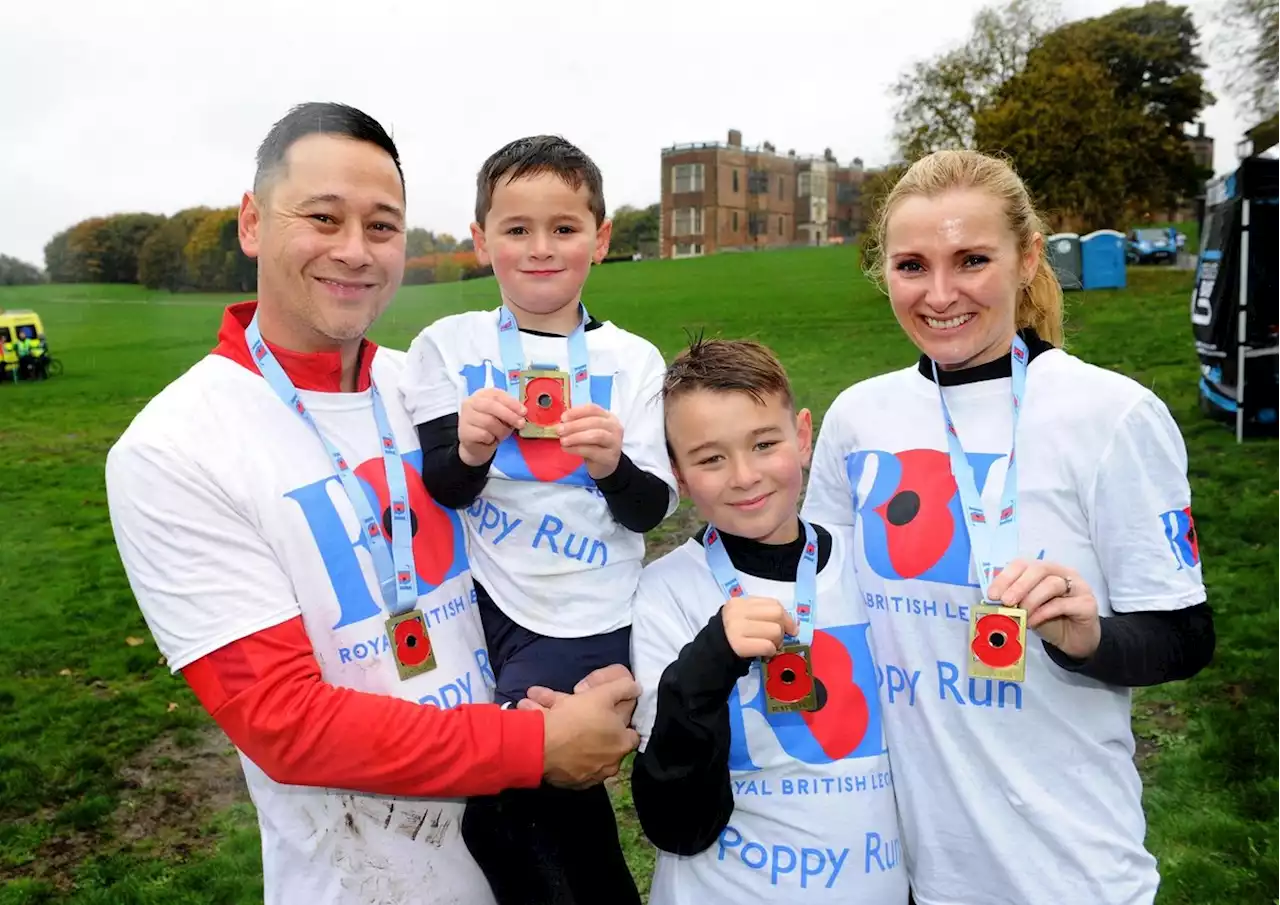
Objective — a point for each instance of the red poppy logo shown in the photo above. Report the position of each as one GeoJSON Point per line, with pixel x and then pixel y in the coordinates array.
{"type": "Point", "coordinates": [788, 678]}
{"type": "Point", "coordinates": [995, 641]}
{"type": "Point", "coordinates": [399, 508]}
{"type": "Point", "coordinates": [342, 464]}
{"type": "Point", "coordinates": [413, 647]}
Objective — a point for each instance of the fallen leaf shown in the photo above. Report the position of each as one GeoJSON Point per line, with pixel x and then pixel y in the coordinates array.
{"type": "Point", "coordinates": [172, 706]}
{"type": "Point", "coordinates": [64, 672]}
{"type": "Point", "coordinates": [162, 661]}
{"type": "Point", "coordinates": [133, 642]}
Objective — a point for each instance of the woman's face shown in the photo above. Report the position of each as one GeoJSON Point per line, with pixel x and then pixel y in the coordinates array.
{"type": "Point", "coordinates": [954, 273]}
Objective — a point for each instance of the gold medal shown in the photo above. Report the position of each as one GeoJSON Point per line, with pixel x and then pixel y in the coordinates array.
{"type": "Point", "coordinates": [789, 686]}
{"type": "Point", "coordinates": [545, 396]}
{"type": "Point", "coordinates": [410, 644]}
{"type": "Point", "coordinates": [998, 642]}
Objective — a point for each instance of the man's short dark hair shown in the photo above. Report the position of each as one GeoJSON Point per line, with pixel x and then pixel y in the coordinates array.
{"type": "Point", "coordinates": [540, 154]}
{"type": "Point", "coordinates": [319, 118]}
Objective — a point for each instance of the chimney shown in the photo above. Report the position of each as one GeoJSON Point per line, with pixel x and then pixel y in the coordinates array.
{"type": "Point", "coordinates": [827, 155]}
{"type": "Point", "coordinates": [791, 153]}
{"type": "Point", "coordinates": [735, 138]}
{"type": "Point", "coordinates": [1200, 130]}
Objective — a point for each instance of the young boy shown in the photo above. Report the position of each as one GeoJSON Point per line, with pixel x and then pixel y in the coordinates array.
{"type": "Point", "coordinates": [763, 774]}
{"type": "Point", "coordinates": [555, 518]}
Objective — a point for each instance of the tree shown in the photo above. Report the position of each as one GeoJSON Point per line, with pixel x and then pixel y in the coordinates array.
{"type": "Point", "coordinates": [1076, 142]}
{"type": "Point", "coordinates": [1249, 53]}
{"type": "Point", "coordinates": [161, 263]}
{"type": "Point", "coordinates": [938, 100]}
{"type": "Point", "coordinates": [15, 272]}
{"type": "Point", "coordinates": [58, 260]}
{"type": "Point", "coordinates": [634, 227]}
{"type": "Point", "coordinates": [1095, 120]}
{"type": "Point", "coordinates": [214, 259]}
{"type": "Point", "coordinates": [418, 242]}
{"type": "Point", "coordinates": [446, 243]}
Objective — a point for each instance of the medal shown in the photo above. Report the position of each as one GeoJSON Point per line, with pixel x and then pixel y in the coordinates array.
{"type": "Point", "coordinates": [998, 642]}
{"type": "Point", "coordinates": [997, 634]}
{"type": "Point", "coordinates": [411, 644]}
{"type": "Point", "coordinates": [397, 578]}
{"type": "Point", "coordinates": [789, 686]}
{"type": "Point", "coordinates": [545, 395]}
{"type": "Point", "coordinates": [789, 683]}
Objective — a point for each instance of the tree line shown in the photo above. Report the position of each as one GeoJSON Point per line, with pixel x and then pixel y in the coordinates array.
{"type": "Point", "coordinates": [1092, 113]}
{"type": "Point", "coordinates": [198, 250]}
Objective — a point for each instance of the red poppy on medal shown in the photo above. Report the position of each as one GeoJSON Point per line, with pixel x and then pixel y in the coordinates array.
{"type": "Point", "coordinates": [413, 647]}
{"type": "Point", "coordinates": [787, 678]}
{"type": "Point", "coordinates": [995, 641]}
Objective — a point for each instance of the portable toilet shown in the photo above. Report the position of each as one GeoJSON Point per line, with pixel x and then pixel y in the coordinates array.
{"type": "Point", "coordinates": [1102, 260]}
{"type": "Point", "coordinates": [1063, 252]}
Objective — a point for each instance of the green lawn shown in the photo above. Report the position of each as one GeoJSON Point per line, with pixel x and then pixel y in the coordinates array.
{"type": "Point", "coordinates": [113, 788]}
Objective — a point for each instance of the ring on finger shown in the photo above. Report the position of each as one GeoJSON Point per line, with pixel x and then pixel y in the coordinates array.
{"type": "Point", "coordinates": [1067, 579]}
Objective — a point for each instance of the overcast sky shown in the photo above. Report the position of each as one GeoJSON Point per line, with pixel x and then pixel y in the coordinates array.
{"type": "Point", "coordinates": [157, 105]}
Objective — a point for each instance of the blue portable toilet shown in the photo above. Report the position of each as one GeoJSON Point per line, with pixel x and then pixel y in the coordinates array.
{"type": "Point", "coordinates": [1102, 260]}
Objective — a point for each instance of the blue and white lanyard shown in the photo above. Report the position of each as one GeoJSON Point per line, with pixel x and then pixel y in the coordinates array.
{"type": "Point", "coordinates": [396, 576]}
{"type": "Point", "coordinates": [513, 362]}
{"type": "Point", "coordinates": [806, 579]}
{"type": "Point", "coordinates": [993, 544]}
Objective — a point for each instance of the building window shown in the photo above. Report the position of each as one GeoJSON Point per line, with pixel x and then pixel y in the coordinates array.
{"type": "Point", "coordinates": [735, 180]}
{"type": "Point", "coordinates": [779, 226]}
{"type": "Point", "coordinates": [782, 182]}
{"type": "Point", "coordinates": [687, 250]}
{"type": "Point", "coordinates": [757, 224]}
{"type": "Point", "coordinates": [758, 182]}
{"type": "Point", "coordinates": [802, 184]}
{"type": "Point", "coordinates": [686, 177]}
{"type": "Point", "coordinates": [687, 221]}
{"type": "Point", "coordinates": [735, 221]}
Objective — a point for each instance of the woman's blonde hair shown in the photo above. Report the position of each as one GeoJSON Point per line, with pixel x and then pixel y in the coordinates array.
{"type": "Point", "coordinates": [1040, 302]}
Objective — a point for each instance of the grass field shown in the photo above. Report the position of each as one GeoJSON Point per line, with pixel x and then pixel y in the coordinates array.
{"type": "Point", "coordinates": [115, 788]}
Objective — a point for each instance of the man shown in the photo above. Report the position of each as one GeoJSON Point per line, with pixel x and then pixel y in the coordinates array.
{"type": "Point", "coordinates": [269, 512]}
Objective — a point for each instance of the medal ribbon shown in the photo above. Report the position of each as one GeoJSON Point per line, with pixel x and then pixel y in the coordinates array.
{"type": "Point", "coordinates": [397, 579]}
{"type": "Point", "coordinates": [993, 542]}
{"type": "Point", "coordinates": [513, 362]}
{"type": "Point", "coordinates": [802, 609]}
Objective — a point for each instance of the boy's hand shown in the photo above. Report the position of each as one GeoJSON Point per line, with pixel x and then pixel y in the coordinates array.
{"type": "Point", "coordinates": [754, 626]}
{"type": "Point", "coordinates": [487, 417]}
{"type": "Point", "coordinates": [593, 434]}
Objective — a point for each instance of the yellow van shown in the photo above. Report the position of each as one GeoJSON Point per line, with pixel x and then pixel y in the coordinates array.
{"type": "Point", "coordinates": [17, 324]}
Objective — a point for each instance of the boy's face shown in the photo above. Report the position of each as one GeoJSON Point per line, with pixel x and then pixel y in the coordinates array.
{"type": "Point", "coordinates": [541, 238]}
{"type": "Point", "coordinates": [742, 463]}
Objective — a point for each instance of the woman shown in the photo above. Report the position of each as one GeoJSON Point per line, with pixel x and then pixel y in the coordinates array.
{"type": "Point", "coordinates": [1009, 725]}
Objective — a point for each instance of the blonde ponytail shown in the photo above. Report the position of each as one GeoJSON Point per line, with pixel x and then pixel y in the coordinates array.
{"type": "Point", "coordinates": [1040, 304]}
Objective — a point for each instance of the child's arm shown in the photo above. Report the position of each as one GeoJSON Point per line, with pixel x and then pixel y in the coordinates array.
{"type": "Point", "coordinates": [630, 466]}
{"type": "Point", "coordinates": [458, 442]}
{"type": "Point", "coordinates": [680, 779]}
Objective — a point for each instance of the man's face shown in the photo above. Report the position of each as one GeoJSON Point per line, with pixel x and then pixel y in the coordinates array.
{"type": "Point", "coordinates": [328, 232]}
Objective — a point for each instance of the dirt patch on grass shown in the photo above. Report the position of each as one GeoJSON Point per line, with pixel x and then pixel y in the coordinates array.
{"type": "Point", "coordinates": [1158, 725]}
{"type": "Point", "coordinates": [169, 792]}
{"type": "Point", "coordinates": [674, 531]}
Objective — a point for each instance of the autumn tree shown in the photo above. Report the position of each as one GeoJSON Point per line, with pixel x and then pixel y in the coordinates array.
{"type": "Point", "coordinates": [939, 100]}
{"type": "Point", "coordinates": [161, 262]}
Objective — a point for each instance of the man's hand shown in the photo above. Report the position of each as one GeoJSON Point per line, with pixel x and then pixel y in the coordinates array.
{"type": "Point", "coordinates": [754, 626]}
{"type": "Point", "coordinates": [487, 417]}
{"type": "Point", "coordinates": [1060, 605]}
{"type": "Point", "coordinates": [585, 737]}
{"type": "Point", "coordinates": [595, 435]}
{"type": "Point", "coordinates": [539, 698]}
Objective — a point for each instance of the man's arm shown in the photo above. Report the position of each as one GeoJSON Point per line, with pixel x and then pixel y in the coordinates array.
{"type": "Point", "coordinates": [223, 612]}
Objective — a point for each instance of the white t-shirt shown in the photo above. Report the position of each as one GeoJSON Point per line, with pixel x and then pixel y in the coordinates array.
{"type": "Point", "coordinates": [814, 817]}
{"type": "Point", "coordinates": [540, 537]}
{"type": "Point", "coordinates": [229, 520]}
{"type": "Point", "coordinates": [1010, 794]}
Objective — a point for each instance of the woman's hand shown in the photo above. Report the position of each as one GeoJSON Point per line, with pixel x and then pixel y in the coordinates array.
{"type": "Point", "coordinates": [1060, 604]}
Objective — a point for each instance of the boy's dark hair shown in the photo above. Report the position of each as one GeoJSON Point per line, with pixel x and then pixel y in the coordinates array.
{"type": "Point", "coordinates": [728, 365]}
{"type": "Point", "coordinates": [318, 118]}
{"type": "Point", "coordinates": [540, 154]}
